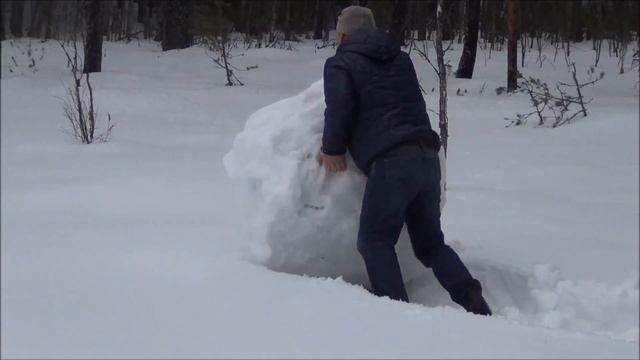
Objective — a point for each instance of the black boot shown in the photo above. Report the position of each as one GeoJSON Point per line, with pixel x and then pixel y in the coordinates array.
{"type": "Point", "coordinates": [469, 296]}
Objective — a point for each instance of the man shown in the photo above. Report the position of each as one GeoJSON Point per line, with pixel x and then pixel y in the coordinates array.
{"type": "Point", "coordinates": [375, 109]}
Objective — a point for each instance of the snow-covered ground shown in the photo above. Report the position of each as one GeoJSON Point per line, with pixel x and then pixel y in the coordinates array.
{"type": "Point", "coordinates": [140, 247]}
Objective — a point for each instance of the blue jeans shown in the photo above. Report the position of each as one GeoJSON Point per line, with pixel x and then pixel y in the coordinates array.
{"type": "Point", "coordinates": [404, 186]}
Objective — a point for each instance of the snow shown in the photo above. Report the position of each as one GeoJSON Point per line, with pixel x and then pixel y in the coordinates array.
{"type": "Point", "coordinates": [145, 247]}
{"type": "Point", "coordinates": [305, 221]}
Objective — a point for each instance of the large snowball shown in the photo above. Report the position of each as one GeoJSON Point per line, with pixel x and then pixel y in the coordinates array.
{"type": "Point", "coordinates": [305, 221]}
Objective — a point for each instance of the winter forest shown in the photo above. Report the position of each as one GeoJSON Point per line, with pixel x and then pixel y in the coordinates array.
{"type": "Point", "coordinates": [162, 198]}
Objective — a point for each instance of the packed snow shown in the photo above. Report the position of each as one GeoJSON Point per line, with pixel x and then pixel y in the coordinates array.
{"type": "Point", "coordinates": [152, 245]}
{"type": "Point", "coordinates": [304, 220]}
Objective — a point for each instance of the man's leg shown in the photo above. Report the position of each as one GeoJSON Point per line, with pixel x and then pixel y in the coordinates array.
{"type": "Point", "coordinates": [427, 239]}
{"type": "Point", "coordinates": [381, 221]}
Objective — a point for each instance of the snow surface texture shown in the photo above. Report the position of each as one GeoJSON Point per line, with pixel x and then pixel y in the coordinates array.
{"type": "Point", "coordinates": [138, 248]}
{"type": "Point", "coordinates": [305, 222]}
{"type": "Point", "coordinates": [305, 219]}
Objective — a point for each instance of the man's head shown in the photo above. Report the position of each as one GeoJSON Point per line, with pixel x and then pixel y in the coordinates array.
{"type": "Point", "coordinates": [351, 19]}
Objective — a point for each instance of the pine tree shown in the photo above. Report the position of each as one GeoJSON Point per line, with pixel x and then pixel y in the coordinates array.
{"type": "Point", "coordinates": [93, 41]}
{"type": "Point", "coordinates": [468, 58]}
{"type": "Point", "coordinates": [176, 24]}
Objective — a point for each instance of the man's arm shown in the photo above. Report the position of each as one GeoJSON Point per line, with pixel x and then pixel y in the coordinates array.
{"type": "Point", "coordinates": [341, 105]}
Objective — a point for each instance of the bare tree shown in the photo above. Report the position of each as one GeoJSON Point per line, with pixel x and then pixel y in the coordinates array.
{"type": "Point", "coordinates": [93, 43]}
{"type": "Point", "coordinates": [17, 16]}
{"type": "Point", "coordinates": [176, 24]}
{"type": "Point", "coordinates": [398, 19]}
{"type": "Point", "coordinates": [442, 77]}
{"type": "Point", "coordinates": [318, 20]}
{"type": "Point", "coordinates": [513, 12]}
{"type": "Point", "coordinates": [442, 70]}
{"type": "Point", "coordinates": [623, 46]}
{"type": "Point", "coordinates": [34, 18]}
{"type": "Point", "coordinates": [287, 20]}
{"type": "Point", "coordinates": [220, 52]}
{"type": "Point", "coordinates": [272, 24]}
{"type": "Point", "coordinates": [78, 106]}
{"type": "Point", "coordinates": [597, 48]}
{"type": "Point", "coordinates": [47, 19]}
{"type": "Point", "coordinates": [468, 58]}
{"type": "Point", "coordinates": [421, 19]}
{"type": "Point", "coordinates": [559, 104]}
{"type": "Point", "coordinates": [40, 18]}
{"type": "Point", "coordinates": [551, 21]}
{"type": "Point", "coordinates": [218, 37]}
{"type": "Point", "coordinates": [2, 12]}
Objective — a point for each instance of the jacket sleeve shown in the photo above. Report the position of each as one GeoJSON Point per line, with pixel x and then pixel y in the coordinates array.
{"type": "Point", "coordinates": [418, 90]}
{"type": "Point", "coordinates": [341, 107]}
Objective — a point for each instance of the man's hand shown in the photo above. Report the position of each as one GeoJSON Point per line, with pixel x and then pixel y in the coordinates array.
{"type": "Point", "coordinates": [332, 163]}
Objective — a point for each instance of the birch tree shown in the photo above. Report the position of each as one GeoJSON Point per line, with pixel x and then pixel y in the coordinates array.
{"type": "Point", "coordinates": [442, 77]}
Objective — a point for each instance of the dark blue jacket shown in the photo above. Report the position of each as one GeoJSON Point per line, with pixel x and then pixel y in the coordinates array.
{"type": "Point", "coordinates": [373, 99]}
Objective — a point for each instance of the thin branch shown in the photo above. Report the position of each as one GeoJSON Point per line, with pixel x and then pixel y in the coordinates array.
{"type": "Point", "coordinates": [424, 54]}
{"type": "Point", "coordinates": [92, 114]}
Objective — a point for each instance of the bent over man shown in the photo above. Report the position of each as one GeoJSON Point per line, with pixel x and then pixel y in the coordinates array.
{"type": "Point", "coordinates": [375, 110]}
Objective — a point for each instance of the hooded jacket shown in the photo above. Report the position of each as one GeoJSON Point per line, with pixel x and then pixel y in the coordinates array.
{"type": "Point", "coordinates": [373, 99]}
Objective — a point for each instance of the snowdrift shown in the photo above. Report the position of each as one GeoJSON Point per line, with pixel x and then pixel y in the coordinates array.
{"type": "Point", "coordinates": [305, 221]}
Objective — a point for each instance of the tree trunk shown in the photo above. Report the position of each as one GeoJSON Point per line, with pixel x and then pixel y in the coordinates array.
{"type": "Point", "coordinates": [577, 21]}
{"type": "Point", "coordinates": [34, 15]}
{"type": "Point", "coordinates": [328, 18]}
{"type": "Point", "coordinates": [2, 12]}
{"type": "Point", "coordinates": [141, 7]}
{"type": "Point", "coordinates": [287, 21]}
{"type": "Point", "coordinates": [129, 18]}
{"type": "Point", "coordinates": [124, 15]}
{"type": "Point", "coordinates": [318, 20]}
{"type": "Point", "coordinates": [248, 18]}
{"type": "Point", "coordinates": [442, 76]}
{"type": "Point", "coordinates": [47, 19]}
{"type": "Point", "coordinates": [93, 43]}
{"type": "Point", "coordinates": [462, 25]}
{"type": "Point", "coordinates": [41, 21]}
{"type": "Point", "coordinates": [421, 19]}
{"type": "Point", "coordinates": [398, 19]}
{"type": "Point", "coordinates": [566, 36]}
{"type": "Point", "coordinates": [176, 24]}
{"type": "Point", "coordinates": [512, 47]}
{"type": "Point", "coordinates": [448, 20]}
{"type": "Point", "coordinates": [468, 58]}
{"type": "Point", "coordinates": [147, 19]}
{"type": "Point", "coordinates": [17, 13]}
{"type": "Point", "coordinates": [307, 15]}
{"type": "Point", "coordinates": [273, 19]}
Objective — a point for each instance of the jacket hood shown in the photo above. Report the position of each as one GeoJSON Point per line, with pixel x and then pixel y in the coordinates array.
{"type": "Point", "coordinates": [373, 43]}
